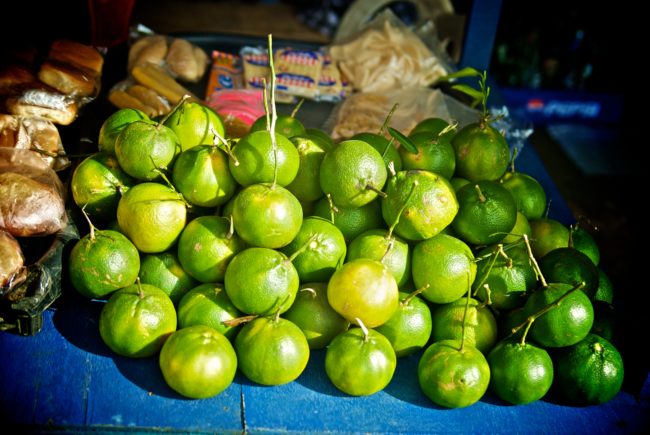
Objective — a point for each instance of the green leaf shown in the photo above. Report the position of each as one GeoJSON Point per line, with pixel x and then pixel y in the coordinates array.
{"type": "Point", "coordinates": [403, 140]}
{"type": "Point", "coordinates": [465, 72]}
{"type": "Point", "coordinates": [475, 94]}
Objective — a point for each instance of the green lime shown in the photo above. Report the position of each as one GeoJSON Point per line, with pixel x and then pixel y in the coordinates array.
{"type": "Point", "coordinates": [208, 305]}
{"type": "Point", "coordinates": [163, 270]}
{"type": "Point", "coordinates": [481, 152]}
{"type": "Point", "coordinates": [114, 124]}
{"type": "Point", "coordinates": [195, 124]}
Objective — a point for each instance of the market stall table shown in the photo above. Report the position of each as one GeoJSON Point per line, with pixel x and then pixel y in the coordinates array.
{"type": "Point", "coordinates": [65, 379]}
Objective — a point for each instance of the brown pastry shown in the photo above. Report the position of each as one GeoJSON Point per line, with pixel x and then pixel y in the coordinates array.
{"type": "Point", "coordinates": [77, 54]}
{"type": "Point", "coordinates": [68, 79]}
{"type": "Point", "coordinates": [186, 61]}
{"type": "Point", "coordinates": [11, 259]}
{"type": "Point", "coordinates": [149, 49]}
{"type": "Point", "coordinates": [29, 207]}
{"type": "Point", "coordinates": [44, 103]}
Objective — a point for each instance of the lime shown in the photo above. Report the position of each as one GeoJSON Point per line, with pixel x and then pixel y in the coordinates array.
{"type": "Point", "coordinates": [271, 351]}
{"type": "Point", "coordinates": [584, 242]}
{"type": "Point", "coordinates": [522, 226]}
{"type": "Point", "coordinates": [433, 125]}
{"type": "Point", "coordinates": [435, 154]}
{"type": "Point", "coordinates": [392, 251]}
{"type": "Point", "coordinates": [570, 266]}
{"type": "Point", "coordinates": [286, 125]}
{"type": "Point", "coordinates": [136, 320]}
{"type": "Point", "coordinates": [480, 324]}
{"type": "Point", "coordinates": [547, 234]}
{"type": "Point", "coordinates": [311, 150]}
{"type": "Point", "coordinates": [208, 305]}
{"type": "Point", "coordinates": [163, 270]}
{"type": "Point", "coordinates": [527, 192]}
{"type": "Point", "coordinates": [351, 221]}
{"type": "Point", "coordinates": [481, 152]}
{"type": "Point", "coordinates": [605, 290]}
{"type": "Point", "coordinates": [387, 150]}
{"type": "Point", "coordinates": [114, 124]}
{"type": "Point", "coordinates": [312, 313]}
{"type": "Point", "coordinates": [195, 123]}
{"type": "Point", "coordinates": [409, 329]}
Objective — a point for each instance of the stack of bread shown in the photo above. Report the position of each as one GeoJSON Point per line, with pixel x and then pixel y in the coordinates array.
{"type": "Point", "coordinates": [156, 64]}
{"type": "Point", "coordinates": [38, 91]}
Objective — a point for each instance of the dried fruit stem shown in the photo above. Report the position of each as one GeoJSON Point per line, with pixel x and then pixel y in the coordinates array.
{"type": "Point", "coordinates": [239, 320]}
{"type": "Point", "coordinates": [538, 271]}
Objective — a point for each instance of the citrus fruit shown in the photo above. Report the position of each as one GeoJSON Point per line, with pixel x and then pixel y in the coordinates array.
{"type": "Point", "coordinates": [509, 275]}
{"type": "Point", "coordinates": [136, 320]}
{"type": "Point", "coordinates": [324, 252]}
{"type": "Point", "coordinates": [486, 214]}
{"type": "Point", "coordinates": [312, 313]}
{"type": "Point", "coordinates": [258, 162]}
{"type": "Point", "coordinates": [605, 290]}
{"type": "Point", "coordinates": [286, 125]}
{"type": "Point", "coordinates": [584, 242]}
{"type": "Point", "coordinates": [152, 216]}
{"type": "Point", "coordinates": [435, 154]}
{"type": "Point", "coordinates": [509, 320]}
{"type": "Point", "coordinates": [570, 266]}
{"type": "Point", "coordinates": [519, 373]}
{"type": "Point", "coordinates": [481, 152]}
{"type": "Point", "coordinates": [360, 363]}
{"type": "Point", "coordinates": [527, 192]}
{"type": "Point", "coordinates": [446, 264]}
{"type": "Point", "coordinates": [198, 362]}
{"type": "Point", "coordinates": [97, 184]}
{"type": "Point", "coordinates": [387, 151]}
{"type": "Point", "coordinates": [208, 304]}
{"type": "Point", "coordinates": [409, 329]}
{"type": "Point", "coordinates": [163, 270]}
{"type": "Point", "coordinates": [351, 221]}
{"type": "Point", "coordinates": [102, 262]}
{"type": "Point", "coordinates": [261, 281]}
{"type": "Point", "coordinates": [480, 324]}
{"type": "Point", "coordinates": [143, 149]}
{"type": "Point", "coordinates": [566, 323]}
{"type": "Point", "coordinates": [306, 185]}
{"type": "Point", "coordinates": [589, 372]}
{"type": "Point", "coordinates": [114, 124]}
{"type": "Point", "coordinates": [352, 173]}
{"type": "Point", "coordinates": [428, 201]}
{"type": "Point", "coordinates": [392, 251]}
{"type": "Point", "coordinates": [363, 289]}
{"type": "Point", "coordinates": [431, 125]}
{"type": "Point", "coordinates": [202, 175]}
{"type": "Point", "coordinates": [194, 123]}
{"type": "Point", "coordinates": [452, 375]}
{"type": "Point", "coordinates": [522, 226]}
{"type": "Point", "coordinates": [458, 182]}
{"type": "Point", "coordinates": [271, 351]}
{"type": "Point", "coordinates": [206, 246]}
{"type": "Point", "coordinates": [547, 234]}
{"type": "Point", "coordinates": [605, 320]}
{"type": "Point", "coordinates": [320, 134]}
{"type": "Point", "coordinates": [266, 215]}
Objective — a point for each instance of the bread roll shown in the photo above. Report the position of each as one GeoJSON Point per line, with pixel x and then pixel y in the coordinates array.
{"type": "Point", "coordinates": [124, 100]}
{"type": "Point", "coordinates": [44, 103]}
{"type": "Point", "coordinates": [34, 134]}
{"type": "Point", "coordinates": [29, 207]}
{"type": "Point", "coordinates": [186, 61]}
{"type": "Point", "coordinates": [149, 49]}
{"type": "Point", "coordinates": [150, 98]}
{"type": "Point", "coordinates": [68, 79]}
{"type": "Point", "coordinates": [15, 77]}
{"type": "Point", "coordinates": [77, 55]}
{"type": "Point", "coordinates": [11, 260]}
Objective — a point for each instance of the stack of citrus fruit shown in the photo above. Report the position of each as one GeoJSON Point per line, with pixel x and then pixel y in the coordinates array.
{"type": "Point", "coordinates": [310, 244]}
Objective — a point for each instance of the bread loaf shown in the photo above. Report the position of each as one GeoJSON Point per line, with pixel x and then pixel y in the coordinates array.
{"type": "Point", "coordinates": [29, 207]}
{"type": "Point", "coordinates": [68, 79]}
{"type": "Point", "coordinates": [186, 61]}
{"type": "Point", "coordinates": [11, 260]}
{"type": "Point", "coordinates": [78, 55]}
{"type": "Point", "coordinates": [149, 49]}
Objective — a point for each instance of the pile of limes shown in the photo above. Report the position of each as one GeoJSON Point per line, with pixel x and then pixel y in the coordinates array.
{"type": "Point", "coordinates": [220, 254]}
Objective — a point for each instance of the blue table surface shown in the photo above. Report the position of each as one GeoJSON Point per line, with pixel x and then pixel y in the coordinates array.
{"type": "Point", "coordinates": [65, 378]}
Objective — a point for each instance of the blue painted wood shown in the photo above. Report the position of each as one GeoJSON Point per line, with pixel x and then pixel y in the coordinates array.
{"type": "Point", "coordinates": [479, 37]}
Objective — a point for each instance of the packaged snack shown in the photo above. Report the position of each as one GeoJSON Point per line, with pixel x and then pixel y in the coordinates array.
{"type": "Point", "coordinates": [238, 108]}
{"type": "Point", "coordinates": [255, 62]}
{"type": "Point", "coordinates": [298, 71]}
{"type": "Point", "coordinates": [226, 73]}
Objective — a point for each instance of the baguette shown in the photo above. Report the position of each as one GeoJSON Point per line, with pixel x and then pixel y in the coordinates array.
{"type": "Point", "coordinates": [155, 77]}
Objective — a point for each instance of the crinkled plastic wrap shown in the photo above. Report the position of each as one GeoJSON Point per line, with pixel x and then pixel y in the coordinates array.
{"type": "Point", "coordinates": [32, 199]}
{"type": "Point", "coordinates": [35, 134]}
{"type": "Point", "coordinates": [12, 261]}
{"type": "Point", "coordinates": [386, 55]}
{"type": "Point", "coordinates": [366, 112]}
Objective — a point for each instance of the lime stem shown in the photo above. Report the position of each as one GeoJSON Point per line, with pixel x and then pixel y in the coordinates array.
{"type": "Point", "coordinates": [309, 290]}
{"type": "Point", "coordinates": [333, 208]}
{"type": "Point", "coordinates": [387, 147]}
{"type": "Point", "coordinates": [391, 244]}
{"type": "Point", "coordinates": [402, 208]}
{"type": "Point", "coordinates": [494, 256]}
{"type": "Point", "coordinates": [538, 271]}
{"type": "Point", "coordinates": [407, 300]}
{"type": "Point", "coordinates": [140, 291]}
{"type": "Point", "coordinates": [366, 334]}
{"type": "Point", "coordinates": [231, 227]}
{"type": "Point", "coordinates": [462, 331]}
{"type": "Point", "coordinates": [239, 320]}
{"type": "Point", "coordinates": [481, 197]}
{"type": "Point", "coordinates": [304, 247]}
{"type": "Point", "coordinates": [529, 321]}
{"type": "Point", "coordinates": [90, 224]}
{"type": "Point", "coordinates": [274, 114]}
{"type": "Point", "coordinates": [391, 168]}
{"type": "Point", "coordinates": [488, 297]}
{"type": "Point", "coordinates": [295, 109]}
{"type": "Point", "coordinates": [180, 103]}
{"type": "Point", "coordinates": [171, 186]}
{"type": "Point", "coordinates": [448, 128]}
{"type": "Point", "coordinates": [377, 191]}
{"type": "Point", "coordinates": [388, 117]}
{"type": "Point", "coordinates": [512, 159]}
{"type": "Point", "coordinates": [265, 99]}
